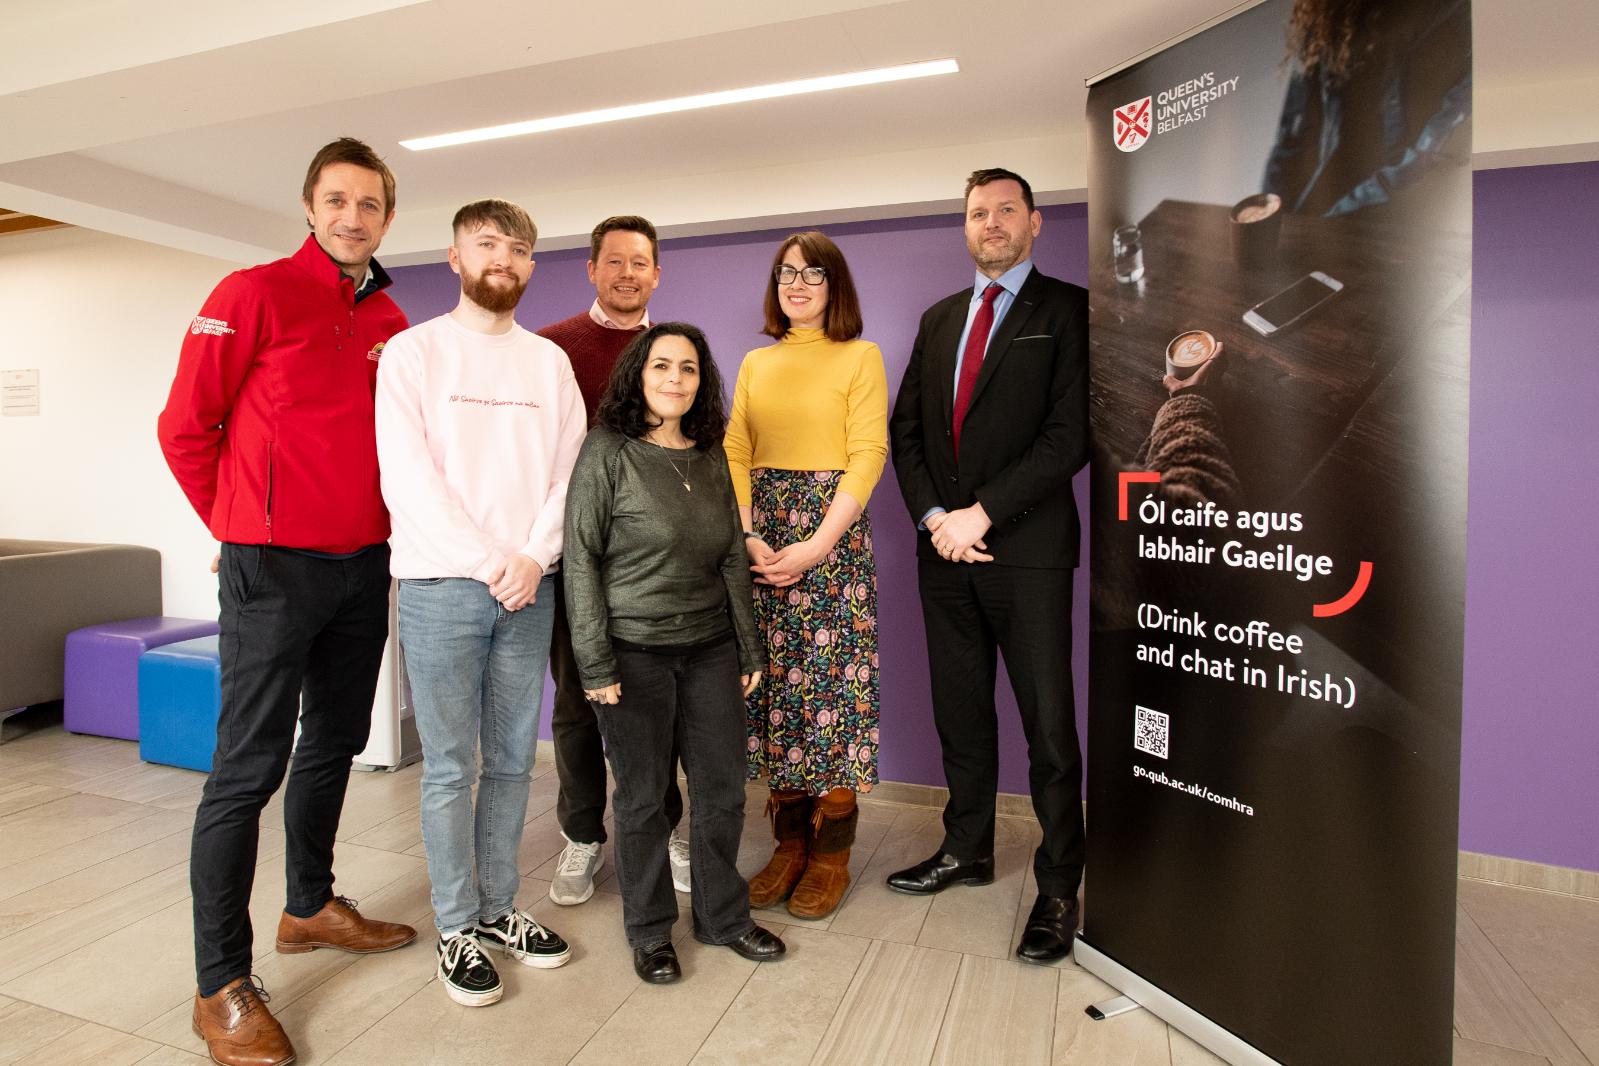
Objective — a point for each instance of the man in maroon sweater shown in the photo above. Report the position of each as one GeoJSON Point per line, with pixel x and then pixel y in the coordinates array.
{"type": "Point", "coordinates": [624, 266]}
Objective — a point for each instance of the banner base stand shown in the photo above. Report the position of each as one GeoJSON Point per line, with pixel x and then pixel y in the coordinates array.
{"type": "Point", "coordinates": [1112, 1007]}
{"type": "Point", "coordinates": [1168, 1009]}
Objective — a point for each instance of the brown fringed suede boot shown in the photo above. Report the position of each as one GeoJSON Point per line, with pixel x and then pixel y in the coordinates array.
{"type": "Point", "coordinates": [821, 890]}
{"type": "Point", "coordinates": [790, 812]}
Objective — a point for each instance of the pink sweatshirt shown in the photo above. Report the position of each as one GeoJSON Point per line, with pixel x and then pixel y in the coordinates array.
{"type": "Point", "coordinates": [476, 435]}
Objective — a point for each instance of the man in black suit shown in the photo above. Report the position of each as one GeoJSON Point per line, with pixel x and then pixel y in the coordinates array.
{"type": "Point", "coordinates": [989, 427]}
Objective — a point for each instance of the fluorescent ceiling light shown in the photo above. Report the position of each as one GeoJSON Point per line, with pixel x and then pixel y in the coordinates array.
{"type": "Point", "coordinates": [688, 103]}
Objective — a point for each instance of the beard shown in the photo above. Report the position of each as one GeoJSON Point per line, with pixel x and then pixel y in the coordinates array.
{"type": "Point", "coordinates": [493, 296]}
{"type": "Point", "coordinates": [1001, 256]}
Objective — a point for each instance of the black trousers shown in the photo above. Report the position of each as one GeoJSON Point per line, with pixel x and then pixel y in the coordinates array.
{"type": "Point", "coordinates": [689, 702]}
{"type": "Point", "coordinates": [579, 750]}
{"type": "Point", "coordinates": [302, 639]}
{"type": "Point", "coordinates": [972, 611]}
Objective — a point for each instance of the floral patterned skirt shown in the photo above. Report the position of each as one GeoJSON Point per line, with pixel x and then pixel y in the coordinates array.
{"type": "Point", "coordinates": [813, 720]}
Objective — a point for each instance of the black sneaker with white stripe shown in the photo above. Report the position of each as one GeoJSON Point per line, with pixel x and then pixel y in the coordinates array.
{"type": "Point", "coordinates": [525, 940]}
{"type": "Point", "coordinates": [468, 975]}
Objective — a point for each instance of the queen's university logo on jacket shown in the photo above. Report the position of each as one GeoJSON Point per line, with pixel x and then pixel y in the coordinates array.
{"type": "Point", "coordinates": [213, 327]}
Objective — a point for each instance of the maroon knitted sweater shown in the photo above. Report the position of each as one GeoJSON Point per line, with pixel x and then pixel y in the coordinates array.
{"type": "Point", "coordinates": [593, 349]}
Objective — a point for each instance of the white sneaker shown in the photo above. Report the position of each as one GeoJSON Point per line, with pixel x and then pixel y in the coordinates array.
{"type": "Point", "coordinates": [677, 853]}
{"type": "Point", "coordinates": [574, 872]}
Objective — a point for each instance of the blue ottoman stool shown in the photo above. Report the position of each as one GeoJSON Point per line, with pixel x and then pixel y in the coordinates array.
{"type": "Point", "coordinates": [102, 671]}
{"type": "Point", "coordinates": [180, 696]}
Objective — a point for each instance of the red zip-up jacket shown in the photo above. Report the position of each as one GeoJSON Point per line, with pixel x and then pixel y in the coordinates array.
{"type": "Point", "coordinates": [268, 427]}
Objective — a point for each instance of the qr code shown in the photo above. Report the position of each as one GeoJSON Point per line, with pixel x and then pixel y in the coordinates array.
{"type": "Point", "coordinates": [1151, 732]}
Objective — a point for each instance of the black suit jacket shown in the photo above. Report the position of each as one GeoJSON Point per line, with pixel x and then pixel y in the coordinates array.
{"type": "Point", "coordinates": [1026, 428]}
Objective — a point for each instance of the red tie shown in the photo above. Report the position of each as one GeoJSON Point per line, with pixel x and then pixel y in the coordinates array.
{"type": "Point", "coordinates": [972, 361]}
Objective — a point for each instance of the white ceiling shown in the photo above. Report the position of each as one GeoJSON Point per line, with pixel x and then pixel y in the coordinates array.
{"type": "Point", "coordinates": [189, 122]}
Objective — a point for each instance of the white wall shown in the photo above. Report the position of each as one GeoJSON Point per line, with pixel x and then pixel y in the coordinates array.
{"type": "Point", "coordinates": [101, 318]}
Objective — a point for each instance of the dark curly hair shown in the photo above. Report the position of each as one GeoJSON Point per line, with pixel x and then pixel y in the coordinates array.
{"type": "Point", "coordinates": [624, 409]}
{"type": "Point", "coordinates": [1334, 35]}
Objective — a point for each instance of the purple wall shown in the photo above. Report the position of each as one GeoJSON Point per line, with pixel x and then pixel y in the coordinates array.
{"type": "Point", "coordinates": [1531, 740]}
{"type": "Point", "coordinates": [901, 267]}
{"type": "Point", "coordinates": [1530, 750]}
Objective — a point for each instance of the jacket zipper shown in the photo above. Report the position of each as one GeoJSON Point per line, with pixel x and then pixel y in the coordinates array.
{"type": "Point", "coordinates": [269, 494]}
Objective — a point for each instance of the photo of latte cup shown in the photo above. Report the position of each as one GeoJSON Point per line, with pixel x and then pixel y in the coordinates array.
{"type": "Point", "coordinates": [1188, 351]}
{"type": "Point", "coordinates": [1257, 222]}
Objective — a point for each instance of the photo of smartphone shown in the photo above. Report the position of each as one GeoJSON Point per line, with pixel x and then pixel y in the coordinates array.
{"type": "Point", "coordinates": [1293, 303]}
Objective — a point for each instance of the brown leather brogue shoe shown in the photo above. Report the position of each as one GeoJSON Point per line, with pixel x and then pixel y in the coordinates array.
{"type": "Point", "coordinates": [339, 925]}
{"type": "Point", "coordinates": [237, 1028]}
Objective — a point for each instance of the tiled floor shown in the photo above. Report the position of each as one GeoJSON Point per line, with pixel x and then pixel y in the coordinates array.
{"type": "Point", "coordinates": [95, 951]}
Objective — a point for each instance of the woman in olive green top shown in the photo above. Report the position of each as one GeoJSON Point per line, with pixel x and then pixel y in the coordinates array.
{"type": "Point", "coordinates": [658, 599]}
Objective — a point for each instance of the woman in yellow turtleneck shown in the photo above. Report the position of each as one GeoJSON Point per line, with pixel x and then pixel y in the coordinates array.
{"type": "Point", "coordinates": [806, 444]}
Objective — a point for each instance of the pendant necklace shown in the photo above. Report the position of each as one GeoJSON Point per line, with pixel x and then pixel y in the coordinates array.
{"type": "Point", "coordinates": [681, 475]}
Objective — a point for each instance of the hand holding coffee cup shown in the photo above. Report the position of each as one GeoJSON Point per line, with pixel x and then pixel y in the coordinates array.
{"type": "Point", "coordinates": [1197, 375]}
{"type": "Point", "coordinates": [1257, 222]}
{"type": "Point", "coordinates": [1188, 351]}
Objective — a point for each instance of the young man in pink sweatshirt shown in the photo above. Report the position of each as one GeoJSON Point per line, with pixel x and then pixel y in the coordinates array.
{"type": "Point", "coordinates": [478, 425]}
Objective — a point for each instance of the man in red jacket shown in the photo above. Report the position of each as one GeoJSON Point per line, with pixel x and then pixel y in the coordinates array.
{"type": "Point", "coordinates": [268, 429]}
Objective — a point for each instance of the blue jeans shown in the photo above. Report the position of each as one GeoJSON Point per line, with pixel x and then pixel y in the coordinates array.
{"type": "Point", "coordinates": [477, 675]}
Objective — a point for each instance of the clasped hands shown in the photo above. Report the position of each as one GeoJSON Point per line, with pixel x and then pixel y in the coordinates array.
{"type": "Point", "coordinates": [958, 535]}
{"type": "Point", "coordinates": [515, 583]}
{"type": "Point", "coordinates": [783, 568]}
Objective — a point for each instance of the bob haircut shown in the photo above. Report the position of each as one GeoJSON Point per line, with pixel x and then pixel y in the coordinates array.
{"type": "Point", "coordinates": [624, 409]}
{"type": "Point", "coordinates": [842, 319]}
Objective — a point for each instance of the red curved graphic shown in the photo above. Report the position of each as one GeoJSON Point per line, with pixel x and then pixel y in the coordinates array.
{"type": "Point", "coordinates": [1348, 599]}
{"type": "Point", "coordinates": [1125, 478]}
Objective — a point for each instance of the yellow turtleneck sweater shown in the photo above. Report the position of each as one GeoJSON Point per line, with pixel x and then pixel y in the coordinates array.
{"type": "Point", "coordinates": [808, 403]}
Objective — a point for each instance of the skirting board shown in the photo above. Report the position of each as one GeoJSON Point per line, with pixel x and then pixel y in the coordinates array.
{"type": "Point", "coordinates": [1168, 1009]}
{"type": "Point", "coordinates": [1516, 872]}
{"type": "Point", "coordinates": [1562, 880]}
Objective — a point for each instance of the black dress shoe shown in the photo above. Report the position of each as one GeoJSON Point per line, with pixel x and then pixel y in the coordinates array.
{"type": "Point", "coordinates": [941, 871]}
{"type": "Point", "coordinates": [757, 945]}
{"type": "Point", "coordinates": [1050, 926]}
{"type": "Point", "coordinates": [657, 965]}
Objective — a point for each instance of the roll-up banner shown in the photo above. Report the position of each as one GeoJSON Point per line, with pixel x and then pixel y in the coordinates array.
{"type": "Point", "coordinates": [1280, 228]}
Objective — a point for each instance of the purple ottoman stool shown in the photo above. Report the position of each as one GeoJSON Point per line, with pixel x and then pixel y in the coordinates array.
{"type": "Point", "coordinates": [102, 671]}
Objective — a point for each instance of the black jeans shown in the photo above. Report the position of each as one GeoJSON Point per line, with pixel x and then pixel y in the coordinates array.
{"type": "Point", "coordinates": [579, 751]}
{"type": "Point", "coordinates": [972, 612]}
{"type": "Point", "coordinates": [302, 639]}
{"type": "Point", "coordinates": [692, 698]}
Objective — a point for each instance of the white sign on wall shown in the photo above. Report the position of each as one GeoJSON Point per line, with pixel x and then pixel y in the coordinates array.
{"type": "Point", "coordinates": [19, 392]}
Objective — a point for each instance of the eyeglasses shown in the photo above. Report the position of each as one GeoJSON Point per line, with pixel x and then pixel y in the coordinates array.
{"type": "Point", "coordinates": [786, 274]}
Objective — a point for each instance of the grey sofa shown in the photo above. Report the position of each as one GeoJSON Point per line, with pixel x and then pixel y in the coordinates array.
{"type": "Point", "coordinates": [48, 589]}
